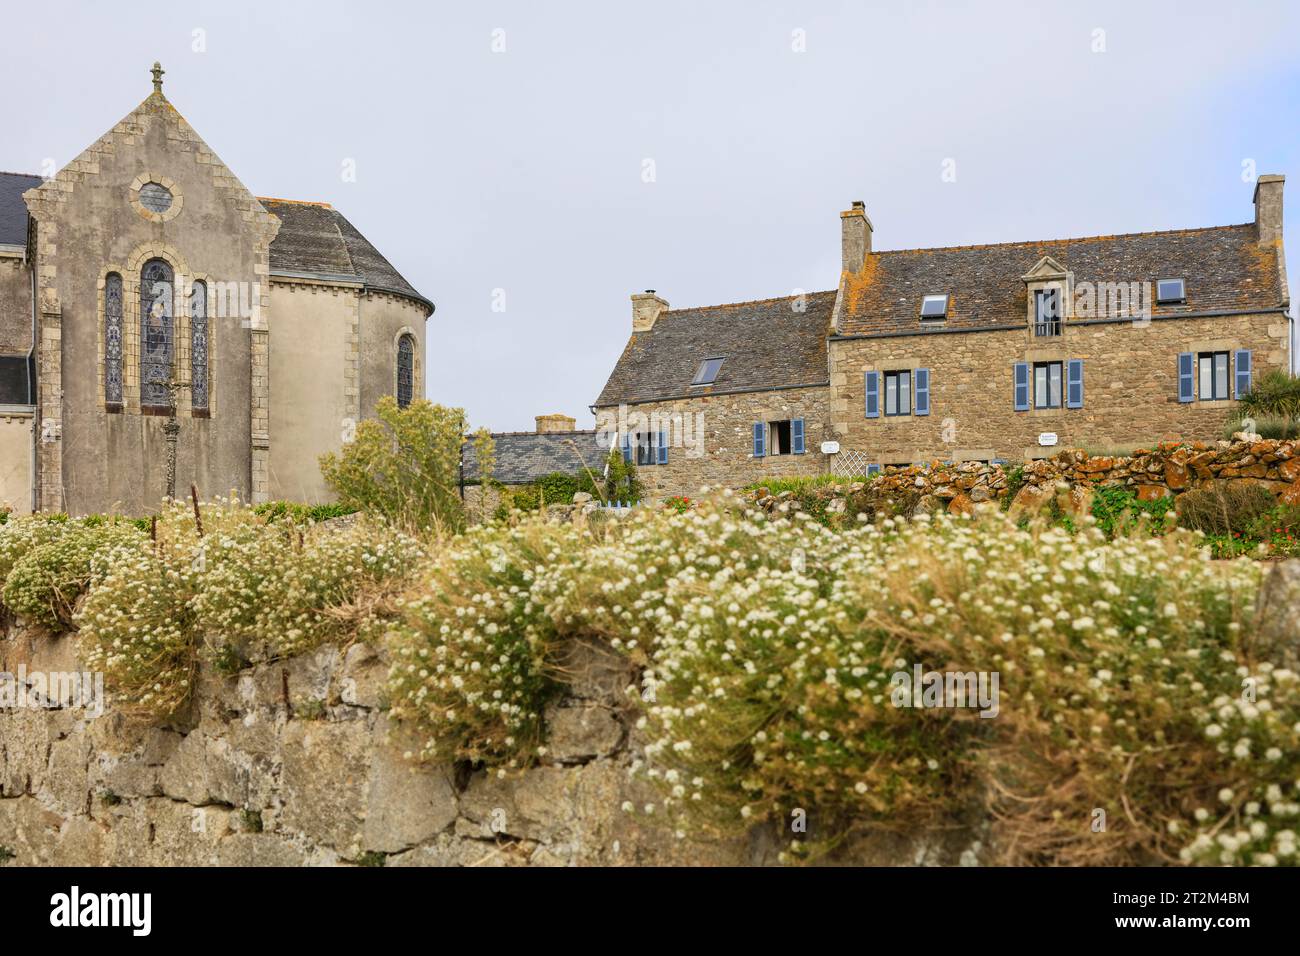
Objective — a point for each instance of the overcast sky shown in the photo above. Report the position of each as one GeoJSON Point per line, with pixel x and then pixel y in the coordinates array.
{"type": "Point", "coordinates": [524, 169]}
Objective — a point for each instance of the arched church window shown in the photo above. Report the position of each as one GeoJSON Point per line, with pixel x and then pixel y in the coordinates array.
{"type": "Point", "coordinates": [157, 327]}
{"type": "Point", "coordinates": [199, 347]}
{"type": "Point", "coordinates": [405, 370]}
{"type": "Point", "coordinates": [113, 340]}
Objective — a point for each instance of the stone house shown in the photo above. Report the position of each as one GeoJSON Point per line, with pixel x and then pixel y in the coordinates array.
{"type": "Point", "coordinates": [558, 446]}
{"type": "Point", "coordinates": [1001, 352]}
{"type": "Point", "coordinates": [145, 293]}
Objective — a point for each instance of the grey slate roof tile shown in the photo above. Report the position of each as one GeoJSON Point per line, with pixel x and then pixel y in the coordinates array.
{"type": "Point", "coordinates": [524, 457]}
{"type": "Point", "coordinates": [13, 211]}
{"type": "Point", "coordinates": [1225, 267]}
{"type": "Point", "coordinates": [765, 344]}
{"type": "Point", "coordinates": [313, 237]}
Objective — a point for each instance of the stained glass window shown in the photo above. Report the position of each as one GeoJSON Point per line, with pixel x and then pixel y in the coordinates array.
{"type": "Point", "coordinates": [155, 197]}
{"type": "Point", "coordinates": [199, 346]}
{"type": "Point", "coordinates": [113, 339]}
{"type": "Point", "coordinates": [156, 334]}
{"type": "Point", "coordinates": [405, 370]}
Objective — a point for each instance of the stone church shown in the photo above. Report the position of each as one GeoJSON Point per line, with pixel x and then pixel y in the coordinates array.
{"type": "Point", "coordinates": [153, 310]}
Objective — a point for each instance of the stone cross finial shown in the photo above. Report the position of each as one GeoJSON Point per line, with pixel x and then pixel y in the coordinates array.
{"type": "Point", "coordinates": [157, 72]}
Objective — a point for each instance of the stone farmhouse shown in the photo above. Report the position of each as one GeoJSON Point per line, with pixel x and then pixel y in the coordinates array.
{"type": "Point", "coordinates": [146, 297]}
{"type": "Point", "coordinates": [987, 353]}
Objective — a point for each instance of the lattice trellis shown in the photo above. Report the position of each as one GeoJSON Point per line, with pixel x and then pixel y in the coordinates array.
{"type": "Point", "coordinates": [850, 464]}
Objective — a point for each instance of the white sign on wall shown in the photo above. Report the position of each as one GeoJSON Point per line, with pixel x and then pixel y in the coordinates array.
{"type": "Point", "coordinates": [830, 448]}
{"type": "Point", "coordinates": [1047, 438]}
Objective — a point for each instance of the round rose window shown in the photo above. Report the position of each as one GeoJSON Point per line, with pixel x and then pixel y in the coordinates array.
{"type": "Point", "coordinates": [155, 197]}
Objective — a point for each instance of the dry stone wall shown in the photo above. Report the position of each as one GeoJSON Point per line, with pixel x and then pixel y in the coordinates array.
{"type": "Point", "coordinates": [294, 762]}
{"type": "Point", "coordinates": [1166, 470]}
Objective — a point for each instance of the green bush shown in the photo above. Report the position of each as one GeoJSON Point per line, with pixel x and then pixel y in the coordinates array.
{"type": "Point", "coordinates": [1119, 511]}
{"type": "Point", "coordinates": [1224, 507]}
{"type": "Point", "coordinates": [404, 466]}
{"type": "Point", "coordinates": [1274, 394]}
{"type": "Point", "coordinates": [622, 483]}
{"type": "Point", "coordinates": [300, 513]}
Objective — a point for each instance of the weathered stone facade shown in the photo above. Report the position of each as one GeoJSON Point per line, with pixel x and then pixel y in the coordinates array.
{"type": "Point", "coordinates": [711, 438]}
{"type": "Point", "coordinates": [1123, 344]}
{"type": "Point", "coordinates": [283, 383]}
{"type": "Point", "coordinates": [1130, 387]}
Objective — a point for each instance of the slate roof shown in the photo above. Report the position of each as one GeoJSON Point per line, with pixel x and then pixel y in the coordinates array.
{"type": "Point", "coordinates": [313, 238]}
{"type": "Point", "coordinates": [317, 238]}
{"type": "Point", "coordinates": [765, 344]}
{"type": "Point", "coordinates": [1225, 268]}
{"type": "Point", "coordinates": [524, 457]}
{"type": "Point", "coordinates": [13, 211]}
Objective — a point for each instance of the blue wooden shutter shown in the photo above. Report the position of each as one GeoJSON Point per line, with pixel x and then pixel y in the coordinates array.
{"type": "Point", "coordinates": [1074, 384]}
{"type": "Point", "coordinates": [873, 470]}
{"type": "Point", "coordinates": [873, 394]}
{"type": "Point", "coordinates": [663, 448]}
{"type": "Point", "coordinates": [627, 447]}
{"type": "Point", "coordinates": [760, 443]}
{"type": "Point", "coordinates": [1243, 373]}
{"type": "Point", "coordinates": [922, 404]}
{"type": "Point", "coordinates": [1186, 376]}
{"type": "Point", "coordinates": [1021, 377]}
{"type": "Point", "coordinates": [796, 435]}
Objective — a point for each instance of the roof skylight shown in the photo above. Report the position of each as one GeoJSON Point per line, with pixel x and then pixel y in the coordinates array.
{"type": "Point", "coordinates": [708, 371]}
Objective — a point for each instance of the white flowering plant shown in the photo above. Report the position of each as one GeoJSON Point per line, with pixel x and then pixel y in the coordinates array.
{"type": "Point", "coordinates": [473, 651]}
{"type": "Point", "coordinates": [767, 650]}
{"type": "Point", "coordinates": [46, 581]}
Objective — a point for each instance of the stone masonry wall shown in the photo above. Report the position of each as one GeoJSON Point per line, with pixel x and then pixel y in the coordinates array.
{"type": "Point", "coordinates": [727, 458]}
{"type": "Point", "coordinates": [290, 763]}
{"type": "Point", "coordinates": [1130, 387]}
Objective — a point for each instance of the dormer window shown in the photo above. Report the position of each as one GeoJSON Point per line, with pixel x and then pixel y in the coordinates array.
{"type": "Point", "coordinates": [708, 372]}
{"type": "Point", "coordinates": [934, 308]}
{"type": "Point", "coordinates": [1047, 312]}
{"type": "Point", "coordinates": [1170, 292]}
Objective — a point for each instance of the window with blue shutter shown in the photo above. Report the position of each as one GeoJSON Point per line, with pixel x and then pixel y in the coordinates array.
{"type": "Point", "coordinates": [1020, 375]}
{"type": "Point", "coordinates": [873, 394]}
{"type": "Point", "coordinates": [663, 448]}
{"type": "Point", "coordinates": [796, 435]}
{"type": "Point", "coordinates": [922, 404]}
{"type": "Point", "coordinates": [759, 443]}
{"type": "Point", "coordinates": [1074, 384]}
{"type": "Point", "coordinates": [627, 447]}
{"type": "Point", "coordinates": [1243, 373]}
{"type": "Point", "coordinates": [873, 470]}
{"type": "Point", "coordinates": [1186, 376]}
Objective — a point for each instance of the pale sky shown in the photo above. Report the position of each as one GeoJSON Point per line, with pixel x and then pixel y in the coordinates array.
{"type": "Point", "coordinates": [523, 169]}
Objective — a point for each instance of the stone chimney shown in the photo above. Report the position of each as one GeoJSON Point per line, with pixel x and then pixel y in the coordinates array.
{"type": "Point", "coordinates": [1268, 223]}
{"type": "Point", "coordinates": [855, 231]}
{"type": "Point", "coordinates": [546, 424]}
{"type": "Point", "coordinates": [1268, 208]}
{"type": "Point", "coordinates": [646, 307]}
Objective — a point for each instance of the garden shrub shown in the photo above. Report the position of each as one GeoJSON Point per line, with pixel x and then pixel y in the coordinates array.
{"type": "Point", "coordinates": [621, 483]}
{"type": "Point", "coordinates": [1276, 393]}
{"type": "Point", "coordinates": [404, 465]}
{"type": "Point", "coordinates": [1224, 507]}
